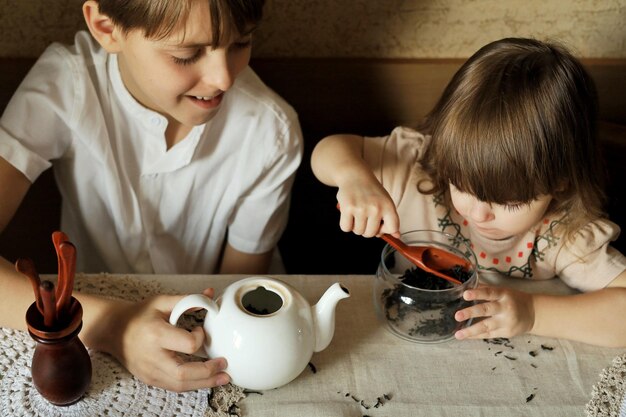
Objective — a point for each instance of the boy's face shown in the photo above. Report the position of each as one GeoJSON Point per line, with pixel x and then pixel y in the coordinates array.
{"type": "Point", "coordinates": [181, 76]}
{"type": "Point", "coordinates": [496, 221]}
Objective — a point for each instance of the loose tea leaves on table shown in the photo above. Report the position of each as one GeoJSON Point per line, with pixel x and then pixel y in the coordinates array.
{"type": "Point", "coordinates": [251, 391]}
{"type": "Point", "coordinates": [421, 313]}
{"type": "Point", "coordinates": [533, 353]}
{"type": "Point", "coordinates": [500, 341]}
{"type": "Point", "coordinates": [380, 400]}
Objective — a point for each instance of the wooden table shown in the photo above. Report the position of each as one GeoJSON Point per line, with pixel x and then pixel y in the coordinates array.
{"type": "Point", "coordinates": [367, 371]}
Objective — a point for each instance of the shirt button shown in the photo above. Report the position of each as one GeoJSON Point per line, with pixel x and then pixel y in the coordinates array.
{"type": "Point", "coordinates": [155, 121]}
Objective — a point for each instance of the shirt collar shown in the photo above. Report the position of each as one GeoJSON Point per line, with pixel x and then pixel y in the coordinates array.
{"type": "Point", "coordinates": [163, 161]}
{"type": "Point", "coordinates": [151, 120]}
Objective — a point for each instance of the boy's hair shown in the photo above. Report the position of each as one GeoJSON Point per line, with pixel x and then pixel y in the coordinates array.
{"type": "Point", "coordinates": [159, 18]}
{"type": "Point", "coordinates": [516, 121]}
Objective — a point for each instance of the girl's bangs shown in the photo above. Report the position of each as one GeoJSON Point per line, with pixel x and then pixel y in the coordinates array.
{"type": "Point", "coordinates": [492, 158]}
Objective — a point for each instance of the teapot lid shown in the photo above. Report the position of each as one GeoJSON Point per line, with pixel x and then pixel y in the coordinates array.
{"type": "Point", "coordinates": [263, 297]}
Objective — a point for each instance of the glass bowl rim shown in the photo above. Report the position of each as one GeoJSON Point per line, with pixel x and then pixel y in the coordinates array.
{"type": "Point", "coordinates": [472, 259]}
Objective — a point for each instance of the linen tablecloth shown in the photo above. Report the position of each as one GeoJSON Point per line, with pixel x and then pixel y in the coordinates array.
{"type": "Point", "coordinates": [367, 371]}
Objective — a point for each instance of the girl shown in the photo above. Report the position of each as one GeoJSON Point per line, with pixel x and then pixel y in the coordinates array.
{"type": "Point", "coordinates": [171, 156]}
{"type": "Point", "coordinates": [508, 161]}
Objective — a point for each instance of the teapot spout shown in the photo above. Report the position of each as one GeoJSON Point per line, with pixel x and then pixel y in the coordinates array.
{"type": "Point", "coordinates": [324, 315]}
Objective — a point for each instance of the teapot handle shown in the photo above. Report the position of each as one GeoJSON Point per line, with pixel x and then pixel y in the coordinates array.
{"type": "Point", "coordinates": [193, 301]}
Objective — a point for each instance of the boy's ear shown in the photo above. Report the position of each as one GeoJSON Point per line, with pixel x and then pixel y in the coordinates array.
{"type": "Point", "coordinates": [101, 27]}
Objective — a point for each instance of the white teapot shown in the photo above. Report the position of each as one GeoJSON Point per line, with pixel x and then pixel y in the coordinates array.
{"type": "Point", "coordinates": [265, 329]}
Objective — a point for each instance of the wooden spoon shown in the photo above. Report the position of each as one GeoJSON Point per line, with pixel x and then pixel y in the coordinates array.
{"type": "Point", "coordinates": [428, 258]}
{"type": "Point", "coordinates": [65, 286]}
{"type": "Point", "coordinates": [59, 237]}
{"type": "Point", "coordinates": [26, 267]}
{"type": "Point", "coordinates": [49, 309]}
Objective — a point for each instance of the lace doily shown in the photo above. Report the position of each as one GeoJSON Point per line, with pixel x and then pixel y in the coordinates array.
{"type": "Point", "coordinates": [608, 397]}
{"type": "Point", "coordinates": [113, 390]}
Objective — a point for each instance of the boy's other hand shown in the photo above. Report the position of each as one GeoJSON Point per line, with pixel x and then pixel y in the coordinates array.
{"type": "Point", "coordinates": [147, 345]}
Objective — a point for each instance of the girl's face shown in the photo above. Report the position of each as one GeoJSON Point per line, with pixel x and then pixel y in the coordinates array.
{"type": "Point", "coordinates": [497, 221]}
{"type": "Point", "coordinates": [181, 76]}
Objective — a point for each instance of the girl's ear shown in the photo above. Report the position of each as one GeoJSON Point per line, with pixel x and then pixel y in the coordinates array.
{"type": "Point", "coordinates": [101, 27]}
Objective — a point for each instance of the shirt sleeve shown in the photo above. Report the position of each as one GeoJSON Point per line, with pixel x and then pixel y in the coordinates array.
{"type": "Point", "coordinates": [590, 262]}
{"type": "Point", "coordinates": [393, 158]}
{"type": "Point", "coordinates": [35, 126]}
{"type": "Point", "coordinates": [262, 212]}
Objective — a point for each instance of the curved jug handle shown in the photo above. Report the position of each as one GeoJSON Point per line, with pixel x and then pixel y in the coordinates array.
{"type": "Point", "coordinates": [193, 301]}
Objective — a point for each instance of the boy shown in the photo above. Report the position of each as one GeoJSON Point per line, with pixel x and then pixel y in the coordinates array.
{"type": "Point", "coordinates": [171, 157]}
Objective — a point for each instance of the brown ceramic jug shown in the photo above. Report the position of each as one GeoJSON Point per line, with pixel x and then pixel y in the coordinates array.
{"type": "Point", "coordinates": [61, 366]}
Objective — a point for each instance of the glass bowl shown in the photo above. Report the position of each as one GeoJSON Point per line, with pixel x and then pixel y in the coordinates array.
{"type": "Point", "coordinates": [416, 305]}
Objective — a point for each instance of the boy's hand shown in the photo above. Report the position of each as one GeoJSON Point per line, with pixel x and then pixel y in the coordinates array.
{"type": "Point", "coordinates": [147, 345]}
{"type": "Point", "coordinates": [504, 313]}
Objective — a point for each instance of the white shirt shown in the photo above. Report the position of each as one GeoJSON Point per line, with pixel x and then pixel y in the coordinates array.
{"type": "Point", "coordinates": [131, 205]}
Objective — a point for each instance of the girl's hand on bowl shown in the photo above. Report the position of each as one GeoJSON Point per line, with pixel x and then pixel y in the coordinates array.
{"type": "Point", "coordinates": [501, 312]}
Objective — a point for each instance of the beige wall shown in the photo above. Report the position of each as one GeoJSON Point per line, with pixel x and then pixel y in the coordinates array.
{"type": "Point", "coordinates": [368, 28]}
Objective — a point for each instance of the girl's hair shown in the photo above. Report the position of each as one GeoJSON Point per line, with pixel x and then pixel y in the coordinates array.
{"type": "Point", "coordinates": [159, 18]}
{"type": "Point", "coordinates": [516, 121]}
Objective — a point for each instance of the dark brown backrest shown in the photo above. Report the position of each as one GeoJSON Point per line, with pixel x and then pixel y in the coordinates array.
{"type": "Point", "coordinates": [363, 96]}
{"type": "Point", "coordinates": [370, 97]}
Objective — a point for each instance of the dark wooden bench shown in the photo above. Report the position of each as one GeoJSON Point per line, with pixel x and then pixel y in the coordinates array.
{"type": "Point", "coordinates": [364, 96]}
{"type": "Point", "coordinates": [370, 97]}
